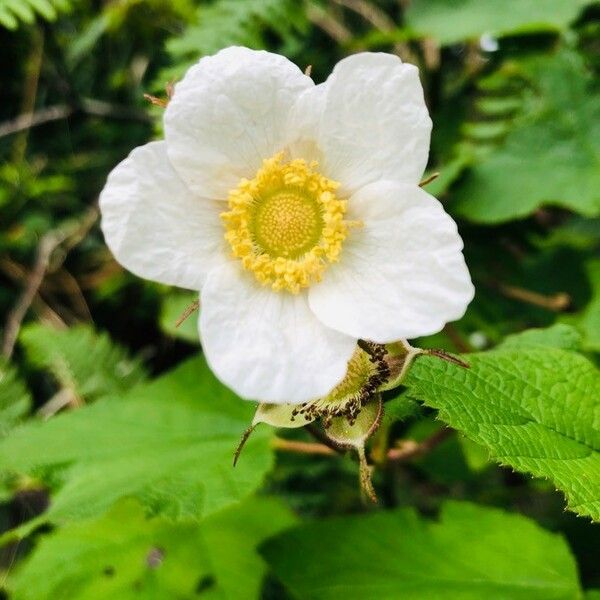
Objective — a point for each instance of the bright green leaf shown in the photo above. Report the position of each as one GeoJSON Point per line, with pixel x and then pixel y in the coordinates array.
{"type": "Point", "coordinates": [535, 409]}
{"type": "Point", "coordinates": [125, 555]}
{"type": "Point", "coordinates": [170, 443]}
{"type": "Point", "coordinates": [471, 553]}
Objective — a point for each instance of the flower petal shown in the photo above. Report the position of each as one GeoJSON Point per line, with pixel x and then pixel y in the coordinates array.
{"type": "Point", "coordinates": [375, 124]}
{"type": "Point", "coordinates": [268, 345]}
{"type": "Point", "coordinates": [402, 275]}
{"type": "Point", "coordinates": [155, 226]}
{"type": "Point", "coordinates": [305, 122]}
{"type": "Point", "coordinates": [228, 114]}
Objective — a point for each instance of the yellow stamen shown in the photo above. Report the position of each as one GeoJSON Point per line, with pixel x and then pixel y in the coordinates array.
{"type": "Point", "coordinates": [287, 224]}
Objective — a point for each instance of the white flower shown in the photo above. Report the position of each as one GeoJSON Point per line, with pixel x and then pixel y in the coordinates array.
{"type": "Point", "coordinates": [295, 210]}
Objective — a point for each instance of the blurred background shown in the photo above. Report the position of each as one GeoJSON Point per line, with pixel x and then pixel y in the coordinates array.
{"type": "Point", "coordinates": [512, 87]}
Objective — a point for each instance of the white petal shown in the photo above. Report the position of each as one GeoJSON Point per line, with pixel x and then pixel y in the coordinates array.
{"type": "Point", "coordinates": [375, 124]}
{"type": "Point", "coordinates": [155, 226]}
{"type": "Point", "coordinates": [305, 122]}
{"type": "Point", "coordinates": [267, 345]}
{"type": "Point", "coordinates": [228, 114]}
{"type": "Point", "coordinates": [402, 275]}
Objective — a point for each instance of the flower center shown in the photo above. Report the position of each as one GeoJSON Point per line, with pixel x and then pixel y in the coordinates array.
{"type": "Point", "coordinates": [286, 225]}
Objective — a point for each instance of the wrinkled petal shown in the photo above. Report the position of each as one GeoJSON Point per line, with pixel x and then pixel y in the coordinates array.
{"type": "Point", "coordinates": [374, 123]}
{"type": "Point", "coordinates": [228, 114]}
{"type": "Point", "coordinates": [268, 346]}
{"type": "Point", "coordinates": [402, 275]}
{"type": "Point", "coordinates": [155, 226]}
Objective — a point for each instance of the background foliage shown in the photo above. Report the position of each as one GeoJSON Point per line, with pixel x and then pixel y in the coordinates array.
{"type": "Point", "coordinates": [115, 439]}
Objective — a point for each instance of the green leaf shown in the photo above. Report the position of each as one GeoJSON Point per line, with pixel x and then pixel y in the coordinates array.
{"type": "Point", "coordinates": [125, 555]}
{"type": "Point", "coordinates": [169, 443]}
{"type": "Point", "coordinates": [557, 336]}
{"type": "Point", "coordinates": [451, 22]}
{"type": "Point", "coordinates": [551, 153]}
{"type": "Point", "coordinates": [535, 409]}
{"type": "Point", "coordinates": [173, 307]}
{"type": "Point", "coordinates": [471, 553]}
{"type": "Point", "coordinates": [15, 400]}
{"type": "Point", "coordinates": [87, 363]}
{"type": "Point", "coordinates": [14, 12]}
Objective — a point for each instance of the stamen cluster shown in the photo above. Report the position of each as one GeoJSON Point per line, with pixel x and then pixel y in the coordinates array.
{"type": "Point", "coordinates": [286, 224]}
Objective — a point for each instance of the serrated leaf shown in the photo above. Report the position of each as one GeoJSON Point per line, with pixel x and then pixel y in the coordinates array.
{"type": "Point", "coordinates": [550, 155]}
{"type": "Point", "coordinates": [88, 363]}
{"type": "Point", "coordinates": [535, 409]}
{"type": "Point", "coordinates": [125, 555]}
{"type": "Point", "coordinates": [169, 443]}
{"type": "Point", "coordinates": [15, 400]}
{"type": "Point", "coordinates": [471, 553]}
{"type": "Point", "coordinates": [451, 22]}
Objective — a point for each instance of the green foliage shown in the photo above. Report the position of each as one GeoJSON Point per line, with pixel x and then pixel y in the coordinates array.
{"type": "Point", "coordinates": [88, 364]}
{"type": "Point", "coordinates": [471, 553]}
{"type": "Point", "coordinates": [550, 149]}
{"type": "Point", "coordinates": [134, 478]}
{"type": "Point", "coordinates": [232, 23]}
{"type": "Point", "coordinates": [14, 12]}
{"type": "Point", "coordinates": [166, 443]}
{"type": "Point", "coordinates": [126, 555]}
{"type": "Point", "coordinates": [451, 22]}
{"type": "Point", "coordinates": [15, 400]}
{"type": "Point", "coordinates": [533, 408]}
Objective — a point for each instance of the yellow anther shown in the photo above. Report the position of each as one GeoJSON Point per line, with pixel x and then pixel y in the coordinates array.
{"type": "Point", "coordinates": [286, 224]}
